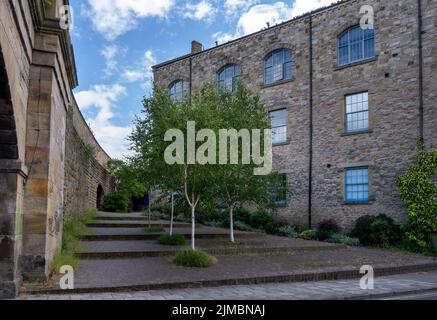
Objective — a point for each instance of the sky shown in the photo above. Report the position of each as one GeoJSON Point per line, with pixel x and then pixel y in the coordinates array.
{"type": "Point", "coordinates": [116, 42]}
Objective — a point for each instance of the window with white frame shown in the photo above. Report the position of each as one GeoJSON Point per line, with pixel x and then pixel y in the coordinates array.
{"type": "Point", "coordinates": [356, 182]}
{"type": "Point", "coordinates": [357, 112]}
{"type": "Point", "coordinates": [178, 90]}
{"type": "Point", "coordinates": [278, 120]}
{"type": "Point", "coordinates": [228, 77]}
{"type": "Point", "coordinates": [278, 66]}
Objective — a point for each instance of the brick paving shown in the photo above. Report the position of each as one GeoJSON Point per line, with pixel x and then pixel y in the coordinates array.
{"type": "Point", "coordinates": [323, 290]}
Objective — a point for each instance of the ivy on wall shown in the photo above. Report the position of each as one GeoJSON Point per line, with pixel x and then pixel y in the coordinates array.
{"type": "Point", "coordinates": [418, 190]}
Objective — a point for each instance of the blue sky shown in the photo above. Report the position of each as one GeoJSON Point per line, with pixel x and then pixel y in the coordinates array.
{"type": "Point", "coordinates": [117, 41]}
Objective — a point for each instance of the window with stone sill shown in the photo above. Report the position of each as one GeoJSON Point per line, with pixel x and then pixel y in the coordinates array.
{"type": "Point", "coordinates": [278, 66]}
{"type": "Point", "coordinates": [178, 90]}
{"type": "Point", "coordinates": [356, 44]}
{"type": "Point", "coordinates": [357, 112]}
{"type": "Point", "coordinates": [356, 185]}
{"type": "Point", "coordinates": [228, 78]}
{"type": "Point", "coordinates": [278, 121]}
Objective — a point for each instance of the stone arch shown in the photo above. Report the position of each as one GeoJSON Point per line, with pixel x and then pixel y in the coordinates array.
{"type": "Point", "coordinates": [100, 196]}
{"type": "Point", "coordinates": [8, 136]}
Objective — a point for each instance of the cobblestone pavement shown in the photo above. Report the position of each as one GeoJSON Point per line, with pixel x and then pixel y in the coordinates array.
{"type": "Point", "coordinates": [341, 289]}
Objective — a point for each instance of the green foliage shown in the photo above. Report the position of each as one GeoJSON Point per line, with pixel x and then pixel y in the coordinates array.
{"type": "Point", "coordinates": [128, 178]}
{"type": "Point", "coordinates": [377, 231]}
{"type": "Point", "coordinates": [239, 225]}
{"type": "Point", "coordinates": [174, 240]}
{"type": "Point", "coordinates": [343, 239]}
{"type": "Point", "coordinates": [418, 191]}
{"type": "Point", "coordinates": [193, 259]}
{"type": "Point", "coordinates": [154, 229]}
{"type": "Point", "coordinates": [287, 231]}
{"type": "Point", "coordinates": [308, 235]}
{"type": "Point", "coordinates": [116, 202]}
{"type": "Point", "coordinates": [73, 228]}
{"type": "Point", "coordinates": [326, 228]}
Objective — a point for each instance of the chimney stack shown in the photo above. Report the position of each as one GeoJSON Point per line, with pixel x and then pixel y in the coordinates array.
{"type": "Point", "coordinates": [196, 47]}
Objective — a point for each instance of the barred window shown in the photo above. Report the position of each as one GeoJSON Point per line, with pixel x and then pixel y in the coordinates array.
{"type": "Point", "coordinates": [228, 77]}
{"type": "Point", "coordinates": [279, 126]}
{"type": "Point", "coordinates": [357, 112]}
{"type": "Point", "coordinates": [178, 90]}
{"type": "Point", "coordinates": [356, 44]}
{"type": "Point", "coordinates": [278, 66]}
{"type": "Point", "coordinates": [357, 185]}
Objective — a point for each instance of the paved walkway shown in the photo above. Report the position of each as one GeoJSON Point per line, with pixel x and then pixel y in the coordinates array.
{"type": "Point", "coordinates": [324, 290]}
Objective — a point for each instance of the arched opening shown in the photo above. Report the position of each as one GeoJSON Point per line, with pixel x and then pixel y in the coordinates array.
{"type": "Point", "coordinates": [8, 137]}
{"type": "Point", "coordinates": [100, 195]}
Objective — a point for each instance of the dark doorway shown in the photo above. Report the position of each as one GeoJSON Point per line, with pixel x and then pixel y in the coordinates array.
{"type": "Point", "coordinates": [100, 196]}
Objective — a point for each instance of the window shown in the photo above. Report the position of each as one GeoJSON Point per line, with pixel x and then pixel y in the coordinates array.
{"type": "Point", "coordinates": [178, 90]}
{"type": "Point", "coordinates": [281, 197]}
{"type": "Point", "coordinates": [356, 44]}
{"type": "Point", "coordinates": [279, 126]}
{"type": "Point", "coordinates": [357, 112]}
{"type": "Point", "coordinates": [357, 185]}
{"type": "Point", "coordinates": [278, 66]}
{"type": "Point", "coordinates": [228, 77]}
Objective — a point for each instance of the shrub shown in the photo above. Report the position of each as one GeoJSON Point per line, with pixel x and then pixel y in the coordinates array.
{"type": "Point", "coordinates": [243, 215]}
{"type": "Point", "coordinates": [116, 202]}
{"type": "Point", "coordinates": [287, 231]}
{"type": "Point", "coordinates": [215, 224]}
{"type": "Point", "coordinates": [326, 229]}
{"type": "Point", "coordinates": [182, 218]}
{"type": "Point", "coordinates": [418, 191]}
{"type": "Point", "coordinates": [174, 240]}
{"type": "Point", "coordinates": [193, 259]}
{"type": "Point", "coordinates": [377, 231]}
{"type": "Point", "coordinates": [309, 235]}
{"type": "Point", "coordinates": [154, 229]}
{"type": "Point", "coordinates": [343, 239]}
{"type": "Point", "coordinates": [244, 227]}
{"type": "Point", "coordinates": [260, 219]}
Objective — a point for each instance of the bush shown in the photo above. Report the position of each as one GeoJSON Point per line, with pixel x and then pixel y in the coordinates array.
{"type": "Point", "coordinates": [326, 229]}
{"type": "Point", "coordinates": [154, 229]}
{"type": "Point", "coordinates": [215, 224]}
{"type": "Point", "coordinates": [287, 231]}
{"type": "Point", "coordinates": [243, 215]}
{"type": "Point", "coordinates": [116, 202]}
{"type": "Point", "coordinates": [244, 227]}
{"type": "Point", "coordinates": [174, 240]}
{"type": "Point", "coordinates": [260, 219]}
{"type": "Point", "coordinates": [377, 231]}
{"type": "Point", "coordinates": [182, 218]}
{"type": "Point", "coordinates": [418, 191]}
{"type": "Point", "coordinates": [193, 259]}
{"type": "Point", "coordinates": [309, 235]}
{"type": "Point", "coordinates": [343, 239]}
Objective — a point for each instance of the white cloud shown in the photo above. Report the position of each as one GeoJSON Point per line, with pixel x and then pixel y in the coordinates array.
{"type": "Point", "coordinates": [142, 71]}
{"type": "Point", "coordinates": [110, 53]}
{"type": "Point", "coordinates": [112, 18]}
{"type": "Point", "coordinates": [200, 11]}
{"type": "Point", "coordinates": [257, 17]}
{"type": "Point", "coordinates": [111, 137]}
{"type": "Point", "coordinates": [233, 7]}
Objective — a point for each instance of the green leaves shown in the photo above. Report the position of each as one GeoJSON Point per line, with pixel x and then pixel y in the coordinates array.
{"type": "Point", "coordinates": [418, 191]}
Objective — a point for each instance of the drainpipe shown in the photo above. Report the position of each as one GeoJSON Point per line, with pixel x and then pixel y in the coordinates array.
{"type": "Point", "coordinates": [419, 30]}
{"type": "Point", "coordinates": [191, 79]}
{"type": "Point", "coordinates": [310, 182]}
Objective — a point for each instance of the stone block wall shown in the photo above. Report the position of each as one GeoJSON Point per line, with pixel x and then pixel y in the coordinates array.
{"type": "Point", "coordinates": [391, 79]}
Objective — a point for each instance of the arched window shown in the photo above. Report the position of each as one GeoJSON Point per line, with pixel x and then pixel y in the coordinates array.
{"type": "Point", "coordinates": [356, 44]}
{"type": "Point", "coordinates": [278, 66]}
{"type": "Point", "coordinates": [178, 90]}
{"type": "Point", "coordinates": [228, 77]}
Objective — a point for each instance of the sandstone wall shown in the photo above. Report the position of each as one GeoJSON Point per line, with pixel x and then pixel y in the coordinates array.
{"type": "Point", "coordinates": [392, 82]}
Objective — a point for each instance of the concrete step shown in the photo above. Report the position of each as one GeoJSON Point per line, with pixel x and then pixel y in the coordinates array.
{"type": "Point", "coordinates": [142, 274]}
{"type": "Point", "coordinates": [132, 224]}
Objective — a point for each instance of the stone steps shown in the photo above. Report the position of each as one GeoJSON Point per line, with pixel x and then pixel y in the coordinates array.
{"type": "Point", "coordinates": [131, 224]}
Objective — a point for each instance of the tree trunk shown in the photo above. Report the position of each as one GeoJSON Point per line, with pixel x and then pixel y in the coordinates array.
{"type": "Point", "coordinates": [193, 227]}
{"type": "Point", "coordinates": [231, 220]}
{"type": "Point", "coordinates": [172, 214]}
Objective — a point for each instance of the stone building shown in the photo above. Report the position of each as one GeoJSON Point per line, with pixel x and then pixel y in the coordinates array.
{"type": "Point", "coordinates": [46, 166]}
{"type": "Point", "coordinates": [347, 104]}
